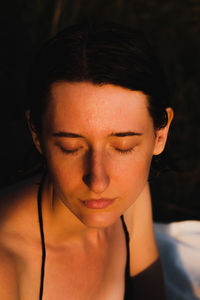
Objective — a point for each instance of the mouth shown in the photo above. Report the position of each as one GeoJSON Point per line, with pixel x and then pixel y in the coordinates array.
{"type": "Point", "coordinates": [98, 203]}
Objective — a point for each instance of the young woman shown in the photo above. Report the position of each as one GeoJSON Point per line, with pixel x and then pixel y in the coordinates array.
{"type": "Point", "coordinates": [98, 111]}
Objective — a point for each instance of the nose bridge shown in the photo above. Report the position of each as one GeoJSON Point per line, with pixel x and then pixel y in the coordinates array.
{"type": "Point", "coordinates": [96, 176]}
{"type": "Point", "coordinates": [98, 165]}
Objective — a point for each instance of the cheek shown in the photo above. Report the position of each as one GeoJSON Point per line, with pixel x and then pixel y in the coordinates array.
{"type": "Point", "coordinates": [132, 176]}
{"type": "Point", "coordinates": [64, 172]}
{"type": "Point", "coordinates": [136, 164]}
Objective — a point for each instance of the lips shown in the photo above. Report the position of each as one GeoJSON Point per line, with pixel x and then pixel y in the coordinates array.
{"type": "Point", "coordinates": [98, 203]}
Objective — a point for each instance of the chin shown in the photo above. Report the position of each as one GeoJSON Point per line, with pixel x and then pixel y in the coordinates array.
{"type": "Point", "coordinates": [99, 219]}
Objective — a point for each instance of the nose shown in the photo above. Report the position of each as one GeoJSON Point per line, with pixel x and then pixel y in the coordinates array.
{"type": "Point", "coordinates": [96, 176]}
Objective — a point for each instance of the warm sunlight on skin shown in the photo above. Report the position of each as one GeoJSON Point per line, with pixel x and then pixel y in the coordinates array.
{"type": "Point", "coordinates": [98, 142]}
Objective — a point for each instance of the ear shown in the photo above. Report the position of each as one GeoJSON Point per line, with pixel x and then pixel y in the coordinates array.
{"type": "Point", "coordinates": [33, 131]}
{"type": "Point", "coordinates": [161, 134]}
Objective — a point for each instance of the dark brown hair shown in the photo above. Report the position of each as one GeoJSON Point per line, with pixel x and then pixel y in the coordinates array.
{"type": "Point", "coordinates": [107, 53]}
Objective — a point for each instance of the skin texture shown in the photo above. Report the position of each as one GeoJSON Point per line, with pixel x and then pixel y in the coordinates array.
{"type": "Point", "coordinates": [85, 247]}
{"type": "Point", "coordinates": [96, 169]}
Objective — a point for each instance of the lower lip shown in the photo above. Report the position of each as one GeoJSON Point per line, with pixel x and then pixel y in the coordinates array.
{"type": "Point", "coordinates": [98, 204]}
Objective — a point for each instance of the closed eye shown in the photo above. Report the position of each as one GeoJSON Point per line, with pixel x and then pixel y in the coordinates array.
{"type": "Point", "coordinates": [67, 151]}
{"type": "Point", "coordinates": [125, 151]}
{"type": "Point", "coordinates": [74, 151]}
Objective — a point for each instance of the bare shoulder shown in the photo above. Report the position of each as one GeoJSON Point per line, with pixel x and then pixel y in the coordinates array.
{"type": "Point", "coordinates": [18, 211]}
{"type": "Point", "coordinates": [145, 266]}
{"type": "Point", "coordinates": [139, 220]}
{"type": "Point", "coordinates": [20, 188]}
{"type": "Point", "coordinates": [16, 199]}
{"type": "Point", "coordinates": [8, 276]}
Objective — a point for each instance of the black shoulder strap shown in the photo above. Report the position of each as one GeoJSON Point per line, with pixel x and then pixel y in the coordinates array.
{"type": "Point", "coordinates": [42, 235]}
{"type": "Point", "coordinates": [128, 289]}
{"type": "Point", "coordinates": [127, 247]}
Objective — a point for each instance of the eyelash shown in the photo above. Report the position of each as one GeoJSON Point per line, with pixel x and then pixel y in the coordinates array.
{"type": "Point", "coordinates": [74, 152]}
{"type": "Point", "coordinates": [66, 151]}
{"type": "Point", "coordinates": [124, 151]}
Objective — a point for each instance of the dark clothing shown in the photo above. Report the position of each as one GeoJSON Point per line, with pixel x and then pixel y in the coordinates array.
{"type": "Point", "coordinates": [142, 286]}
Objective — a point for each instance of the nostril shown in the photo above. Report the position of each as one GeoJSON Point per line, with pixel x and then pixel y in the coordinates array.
{"type": "Point", "coordinates": [86, 179]}
{"type": "Point", "coordinates": [97, 184]}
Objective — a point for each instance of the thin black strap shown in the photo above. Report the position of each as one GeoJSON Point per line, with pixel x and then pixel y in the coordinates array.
{"type": "Point", "coordinates": [127, 247]}
{"type": "Point", "coordinates": [128, 289]}
{"type": "Point", "coordinates": [127, 272]}
{"type": "Point", "coordinates": [42, 236]}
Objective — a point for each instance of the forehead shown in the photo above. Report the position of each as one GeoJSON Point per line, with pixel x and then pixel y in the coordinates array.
{"type": "Point", "coordinates": [83, 106]}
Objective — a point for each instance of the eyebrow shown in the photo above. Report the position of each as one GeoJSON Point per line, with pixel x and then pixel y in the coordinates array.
{"type": "Point", "coordinates": [122, 134]}
{"type": "Point", "coordinates": [74, 135]}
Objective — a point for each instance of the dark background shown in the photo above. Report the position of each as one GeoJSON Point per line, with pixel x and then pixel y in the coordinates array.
{"type": "Point", "coordinates": [172, 27]}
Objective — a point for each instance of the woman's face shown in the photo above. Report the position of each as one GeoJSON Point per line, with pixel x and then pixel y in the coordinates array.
{"type": "Point", "coordinates": [98, 142]}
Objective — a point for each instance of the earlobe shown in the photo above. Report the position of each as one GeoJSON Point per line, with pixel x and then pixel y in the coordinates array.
{"type": "Point", "coordinates": [161, 134]}
{"type": "Point", "coordinates": [33, 132]}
